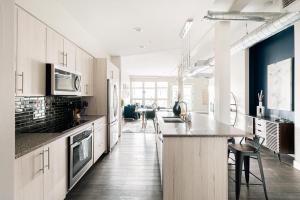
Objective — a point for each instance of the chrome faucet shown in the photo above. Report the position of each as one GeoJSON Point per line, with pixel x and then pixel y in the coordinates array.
{"type": "Point", "coordinates": [186, 115]}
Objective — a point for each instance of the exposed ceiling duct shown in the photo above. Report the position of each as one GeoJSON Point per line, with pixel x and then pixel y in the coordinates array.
{"type": "Point", "coordinates": [241, 16]}
{"type": "Point", "coordinates": [261, 33]}
{"type": "Point", "coordinates": [265, 31]}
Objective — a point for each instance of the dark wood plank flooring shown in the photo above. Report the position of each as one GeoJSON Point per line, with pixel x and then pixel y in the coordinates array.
{"type": "Point", "coordinates": [282, 180]}
{"type": "Point", "coordinates": [131, 172]}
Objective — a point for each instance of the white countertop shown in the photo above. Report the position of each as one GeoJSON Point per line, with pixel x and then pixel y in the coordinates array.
{"type": "Point", "coordinates": [201, 125]}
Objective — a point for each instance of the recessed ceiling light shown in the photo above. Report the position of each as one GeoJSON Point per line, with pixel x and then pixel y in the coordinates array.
{"type": "Point", "coordinates": [142, 46]}
{"type": "Point", "coordinates": [138, 29]}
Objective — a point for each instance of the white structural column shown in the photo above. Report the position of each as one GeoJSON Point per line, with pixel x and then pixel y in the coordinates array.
{"type": "Point", "coordinates": [7, 117]}
{"type": "Point", "coordinates": [222, 72]}
{"type": "Point", "coordinates": [297, 96]}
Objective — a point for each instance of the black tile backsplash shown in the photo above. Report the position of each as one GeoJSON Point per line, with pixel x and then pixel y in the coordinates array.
{"type": "Point", "coordinates": [31, 112]}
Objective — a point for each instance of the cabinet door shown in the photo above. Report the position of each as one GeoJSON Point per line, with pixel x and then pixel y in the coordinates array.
{"type": "Point", "coordinates": [90, 70]}
{"type": "Point", "coordinates": [31, 55]}
{"type": "Point", "coordinates": [56, 172]}
{"type": "Point", "coordinates": [100, 138]}
{"type": "Point", "coordinates": [18, 179]}
{"type": "Point", "coordinates": [55, 47]}
{"type": "Point", "coordinates": [33, 175]}
{"type": "Point", "coordinates": [70, 55]}
{"type": "Point", "coordinates": [85, 65]}
{"type": "Point", "coordinates": [80, 67]}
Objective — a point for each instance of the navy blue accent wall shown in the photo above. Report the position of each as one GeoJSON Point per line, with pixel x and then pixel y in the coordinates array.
{"type": "Point", "coordinates": [276, 48]}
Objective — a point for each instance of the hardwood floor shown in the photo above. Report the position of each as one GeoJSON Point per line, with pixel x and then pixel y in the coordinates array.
{"type": "Point", "coordinates": [282, 180]}
{"type": "Point", "coordinates": [131, 172]}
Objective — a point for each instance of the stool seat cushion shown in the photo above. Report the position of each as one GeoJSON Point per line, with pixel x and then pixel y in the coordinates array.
{"type": "Point", "coordinates": [243, 148]}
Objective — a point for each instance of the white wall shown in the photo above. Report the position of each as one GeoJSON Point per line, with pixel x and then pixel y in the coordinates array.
{"type": "Point", "coordinates": [239, 85]}
{"type": "Point", "coordinates": [199, 96]}
{"type": "Point", "coordinates": [152, 64]}
{"type": "Point", "coordinates": [55, 16]}
{"type": "Point", "coordinates": [7, 118]}
{"type": "Point", "coordinates": [297, 96]}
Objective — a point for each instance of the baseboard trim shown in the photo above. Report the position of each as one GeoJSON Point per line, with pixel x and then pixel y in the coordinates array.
{"type": "Point", "coordinates": [296, 165]}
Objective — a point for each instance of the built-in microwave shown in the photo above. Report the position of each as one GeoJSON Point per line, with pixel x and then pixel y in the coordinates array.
{"type": "Point", "coordinates": [62, 81]}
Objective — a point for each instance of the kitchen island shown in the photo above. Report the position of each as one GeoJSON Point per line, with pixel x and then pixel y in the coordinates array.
{"type": "Point", "coordinates": [193, 157]}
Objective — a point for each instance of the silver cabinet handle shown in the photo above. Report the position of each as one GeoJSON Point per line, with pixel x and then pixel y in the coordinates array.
{"type": "Point", "coordinates": [16, 82]}
{"type": "Point", "coordinates": [48, 164]}
{"type": "Point", "coordinates": [86, 89]}
{"type": "Point", "coordinates": [66, 59]}
{"type": "Point", "coordinates": [43, 162]}
{"type": "Point", "coordinates": [21, 75]}
{"type": "Point", "coordinates": [63, 63]}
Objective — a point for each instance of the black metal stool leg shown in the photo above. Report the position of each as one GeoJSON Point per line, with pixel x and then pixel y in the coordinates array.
{"type": "Point", "coordinates": [262, 175]}
{"type": "Point", "coordinates": [247, 168]}
{"type": "Point", "coordinates": [238, 174]}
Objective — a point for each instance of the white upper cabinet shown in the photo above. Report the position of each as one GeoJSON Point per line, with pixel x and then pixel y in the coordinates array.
{"type": "Point", "coordinates": [85, 65]}
{"type": "Point", "coordinates": [36, 45]}
{"type": "Point", "coordinates": [113, 72]}
{"type": "Point", "coordinates": [55, 47]}
{"type": "Point", "coordinates": [31, 55]}
{"type": "Point", "coordinates": [60, 50]}
{"type": "Point", "coordinates": [70, 55]}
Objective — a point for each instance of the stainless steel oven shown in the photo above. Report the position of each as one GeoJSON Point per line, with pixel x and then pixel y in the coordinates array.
{"type": "Point", "coordinates": [80, 154]}
{"type": "Point", "coordinates": [62, 81]}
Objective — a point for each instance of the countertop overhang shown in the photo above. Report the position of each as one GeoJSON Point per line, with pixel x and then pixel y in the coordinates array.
{"type": "Point", "coordinates": [201, 125]}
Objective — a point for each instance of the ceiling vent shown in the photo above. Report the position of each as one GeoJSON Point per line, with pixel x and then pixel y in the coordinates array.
{"type": "Point", "coordinates": [241, 16]}
{"type": "Point", "coordinates": [286, 3]}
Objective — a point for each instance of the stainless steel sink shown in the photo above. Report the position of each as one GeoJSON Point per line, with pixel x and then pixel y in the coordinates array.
{"type": "Point", "coordinates": [173, 120]}
{"type": "Point", "coordinates": [171, 117]}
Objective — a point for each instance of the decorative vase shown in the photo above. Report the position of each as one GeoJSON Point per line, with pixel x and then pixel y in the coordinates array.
{"type": "Point", "coordinates": [176, 109]}
{"type": "Point", "coordinates": [260, 110]}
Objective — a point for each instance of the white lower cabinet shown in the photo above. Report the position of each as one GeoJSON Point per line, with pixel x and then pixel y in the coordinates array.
{"type": "Point", "coordinates": [56, 170]}
{"type": "Point", "coordinates": [159, 147]}
{"type": "Point", "coordinates": [100, 138]}
{"type": "Point", "coordinates": [30, 177]}
{"type": "Point", "coordinates": [42, 174]}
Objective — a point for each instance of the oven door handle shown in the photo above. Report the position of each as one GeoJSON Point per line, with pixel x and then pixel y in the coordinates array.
{"type": "Point", "coordinates": [81, 141]}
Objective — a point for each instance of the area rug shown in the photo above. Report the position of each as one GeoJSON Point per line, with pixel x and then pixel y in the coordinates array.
{"type": "Point", "coordinates": [136, 127]}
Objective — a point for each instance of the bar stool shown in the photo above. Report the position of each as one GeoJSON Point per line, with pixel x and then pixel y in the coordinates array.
{"type": "Point", "coordinates": [243, 153]}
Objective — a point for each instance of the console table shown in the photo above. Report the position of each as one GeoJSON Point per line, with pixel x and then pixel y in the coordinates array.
{"type": "Point", "coordinates": [279, 134]}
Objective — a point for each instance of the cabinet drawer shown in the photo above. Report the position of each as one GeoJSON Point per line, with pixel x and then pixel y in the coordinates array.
{"type": "Point", "coordinates": [260, 125]}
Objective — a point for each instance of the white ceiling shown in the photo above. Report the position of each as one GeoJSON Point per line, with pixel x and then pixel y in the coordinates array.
{"type": "Point", "coordinates": [151, 64]}
{"type": "Point", "coordinates": [112, 22]}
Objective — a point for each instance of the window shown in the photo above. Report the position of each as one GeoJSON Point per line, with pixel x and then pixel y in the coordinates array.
{"type": "Point", "coordinates": [137, 92]}
{"type": "Point", "coordinates": [162, 94]}
{"type": "Point", "coordinates": [149, 92]}
{"type": "Point", "coordinates": [174, 94]}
